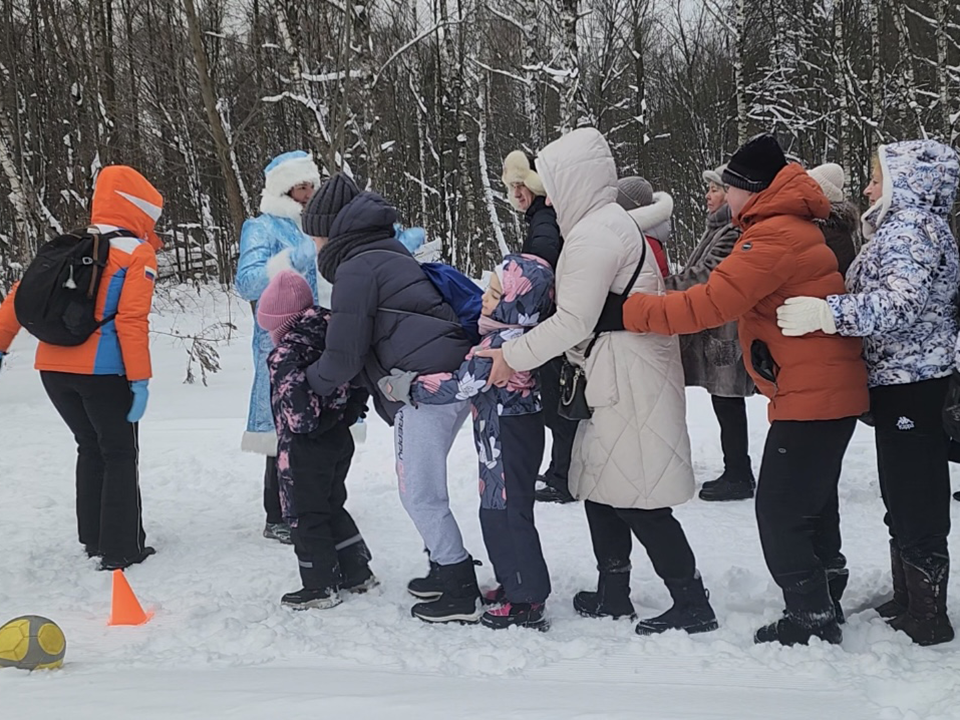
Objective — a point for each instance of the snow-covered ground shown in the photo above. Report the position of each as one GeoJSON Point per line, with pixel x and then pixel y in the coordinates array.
{"type": "Point", "coordinates": [221, 646]}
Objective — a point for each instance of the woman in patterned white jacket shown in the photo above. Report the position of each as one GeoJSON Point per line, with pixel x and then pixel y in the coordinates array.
{"type": "Point", "coordinates": [902, 300]}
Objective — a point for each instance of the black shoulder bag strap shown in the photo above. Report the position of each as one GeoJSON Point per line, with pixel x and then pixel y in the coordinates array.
{"type": "Point", "coordinates": [621, 298]}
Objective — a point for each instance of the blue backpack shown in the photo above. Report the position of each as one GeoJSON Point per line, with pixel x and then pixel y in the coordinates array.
{"type": "Point", "coordinates": [460, 293]}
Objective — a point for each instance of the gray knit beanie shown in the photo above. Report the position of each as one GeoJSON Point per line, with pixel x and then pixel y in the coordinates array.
{"type": "Point", "coordinates": [634, 192]}
{"type": "Point", "coordinates": [326, 203]}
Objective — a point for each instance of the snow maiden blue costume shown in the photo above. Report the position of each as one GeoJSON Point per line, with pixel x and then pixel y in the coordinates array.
{"type": "Point", "coordinates": [275, 230]}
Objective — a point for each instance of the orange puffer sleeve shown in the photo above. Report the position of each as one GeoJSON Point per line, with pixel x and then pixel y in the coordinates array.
{"type": "Point", "coordinates": [133, 311]}
{"type": "Point", "coordinates": [755, 269]}
{"type": "Point", "coordinates": [9, 326]}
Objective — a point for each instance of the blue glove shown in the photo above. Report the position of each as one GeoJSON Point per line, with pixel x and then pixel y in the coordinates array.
{"type": "Point", "coordinates": [140, 396]}
{"type": "Point", "coordinates": [411, 238]}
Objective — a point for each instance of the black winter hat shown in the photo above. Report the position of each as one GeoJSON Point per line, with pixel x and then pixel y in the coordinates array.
{"type": "Point", "coordinates": [326, 203]}
{"type": "Point", "coordinates": [754, 166]}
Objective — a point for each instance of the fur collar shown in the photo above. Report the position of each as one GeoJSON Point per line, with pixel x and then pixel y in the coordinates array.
{"type": "Point", "coordinates": [281, 206]}
{"type": "Point", "coordinates": [660, 211]}
{"type": "Point", "coordinates": [719, 219]}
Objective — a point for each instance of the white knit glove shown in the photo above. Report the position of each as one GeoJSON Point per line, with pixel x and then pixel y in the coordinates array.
{"type": "Point", "coordinates": [802, 315]}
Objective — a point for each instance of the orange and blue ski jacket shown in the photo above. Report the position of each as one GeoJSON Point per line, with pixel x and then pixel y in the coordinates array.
{"type": "Point", "coordinates": [123, 199]}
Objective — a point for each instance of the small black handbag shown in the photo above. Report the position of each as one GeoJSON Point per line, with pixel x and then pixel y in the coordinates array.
{"type": "Point", "coordinates": [573, 378]}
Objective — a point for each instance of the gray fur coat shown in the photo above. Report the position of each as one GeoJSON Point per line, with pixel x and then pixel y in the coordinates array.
{"type": "Point", "coordinates": [712, 359]}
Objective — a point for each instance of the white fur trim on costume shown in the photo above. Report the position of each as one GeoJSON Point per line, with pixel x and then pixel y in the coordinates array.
{"type": "Point", "coordinates": [649, 216]}
{"type": "Point", "coordinates": [283, 206]}
{"type": "Point", "coordinates": [278, 263]}
{"type": "Point", "coordinates": [261, 443]}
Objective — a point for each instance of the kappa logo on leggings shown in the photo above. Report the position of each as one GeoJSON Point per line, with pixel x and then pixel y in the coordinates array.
{"type": "Point", "coordinates": [905, 423]}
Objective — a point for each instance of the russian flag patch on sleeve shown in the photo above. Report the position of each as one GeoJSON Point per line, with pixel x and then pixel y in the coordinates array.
{"type": "Point", "coordinates": [150, 274]}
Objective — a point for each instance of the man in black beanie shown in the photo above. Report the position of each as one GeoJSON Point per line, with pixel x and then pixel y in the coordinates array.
{"type": "Point", "coordinates": [326, 203]}
{"type": "Point", "coordinates": [755, 165]}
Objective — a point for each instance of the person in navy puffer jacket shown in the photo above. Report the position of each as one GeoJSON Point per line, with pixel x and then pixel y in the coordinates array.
{"type": "Point", "coordinates": [508, 430]}
{"type": "Point", "coordinates": [314, 447]}
{"type": "Point", "coordinates": [902, 300]}
{"type": "Point", "coordinates": [386, 313]}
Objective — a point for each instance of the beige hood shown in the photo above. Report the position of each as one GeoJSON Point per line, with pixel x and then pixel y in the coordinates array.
{"type": "Point", "coordinates": [579, 175]}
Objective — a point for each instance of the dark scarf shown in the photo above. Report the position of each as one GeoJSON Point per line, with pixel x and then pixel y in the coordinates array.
{"type": "Point", "coordinates": [337, 249]}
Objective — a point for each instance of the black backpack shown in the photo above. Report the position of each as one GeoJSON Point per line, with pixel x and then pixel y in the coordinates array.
{"type": "Point", "coordinates": [57, 297]}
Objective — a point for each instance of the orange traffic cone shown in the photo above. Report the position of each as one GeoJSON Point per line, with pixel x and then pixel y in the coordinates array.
{"type": "Point", "coordinates": [126, 608]}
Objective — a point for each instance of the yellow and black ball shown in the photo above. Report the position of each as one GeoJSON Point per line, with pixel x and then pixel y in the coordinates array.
{"type": "Point", "coordinates": [32, 642]}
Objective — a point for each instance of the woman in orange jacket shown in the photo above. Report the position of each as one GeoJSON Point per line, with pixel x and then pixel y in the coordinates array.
{"type": "Point", "coordinates": [100, 387]}
{"type": "Point", "coordinates": [817, 387]}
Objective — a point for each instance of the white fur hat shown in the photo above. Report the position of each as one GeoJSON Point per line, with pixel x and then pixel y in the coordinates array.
{"type": "Point", "coordinates": [283, 173]}
{"type": "Point", "coordinates": [518, 168]}
{"type": "Point", "coordinates": [831, 179]}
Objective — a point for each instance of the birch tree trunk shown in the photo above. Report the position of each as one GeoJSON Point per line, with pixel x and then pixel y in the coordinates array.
{"type": "Point", "coordinates": [234, 199]}
{"type": "Point", "coordinates": [569, 104]}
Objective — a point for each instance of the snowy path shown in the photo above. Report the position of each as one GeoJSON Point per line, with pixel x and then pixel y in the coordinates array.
{"type": "Point", "coordinates": [220, 645]}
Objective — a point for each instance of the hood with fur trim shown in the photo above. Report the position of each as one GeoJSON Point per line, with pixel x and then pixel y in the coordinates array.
{"type": "Point", "coordinates": [518, 168]}
{"type": "Point", "coordinates": [654, 219]}
{"type": "Point", "coordinates": [920, 175]}
{"type": "Point", "coordinates": [283, 173]}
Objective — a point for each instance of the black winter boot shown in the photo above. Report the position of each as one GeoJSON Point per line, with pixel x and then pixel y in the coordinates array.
{"type": "Point", "coordinates": [810, 613]}
{"type": "Point", "coordinates": [691, 610]}
{"type": "Point", "coordinates": [898, 605]}
{"type": "Point", "coordinates": [552, 495]}
{"type": "Point", "coordinates": [837, 578]}
{"type": "Point", "coordinates": [311, 599]}
{"type": "Point", "coordinates": [460, 598]}
{"type": "Point", "coordinates": [729, 486]}
{"type": "Point", "coordinates": [611, 599]}
{"type": "Point", "coordinates": [787, 631]}
{"type": "Point", "coordinates": [112, 564]}
{"type": "Point", "coordinates": [925, 620]}
{"type": "Point", "coordinates": [355, 573]}
{"type": "Point", "coordinates": [429, 587]}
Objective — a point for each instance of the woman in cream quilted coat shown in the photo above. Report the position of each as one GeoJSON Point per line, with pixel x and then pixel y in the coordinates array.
{"type": "Point", "coordinates": [631, 459]}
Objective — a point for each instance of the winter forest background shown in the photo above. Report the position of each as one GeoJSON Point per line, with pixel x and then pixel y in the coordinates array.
{"type": "Point", "coordinates": [423, 98]}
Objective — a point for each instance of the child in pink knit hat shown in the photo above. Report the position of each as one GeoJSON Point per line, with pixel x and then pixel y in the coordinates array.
{"type": "Point", "coordinates": [314, 448]}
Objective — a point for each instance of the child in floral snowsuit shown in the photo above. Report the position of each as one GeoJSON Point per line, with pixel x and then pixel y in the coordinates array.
{"type": "Point", "coordinates": [314, 448]}
{"type": "Point", "coordinates": [508, 429]}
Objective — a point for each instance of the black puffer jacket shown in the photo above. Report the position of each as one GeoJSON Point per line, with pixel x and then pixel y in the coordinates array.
{"type": "Point", "coordinates": [386, 313]}
{"type": "Point", "coordinates": [543, 234]}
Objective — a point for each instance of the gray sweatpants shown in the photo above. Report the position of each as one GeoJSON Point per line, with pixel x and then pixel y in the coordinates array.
{"type": "Point", "coordinates": [422, 438]}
